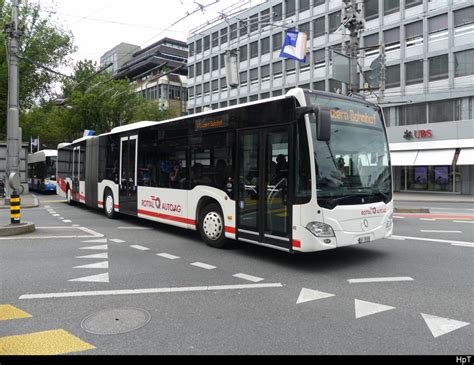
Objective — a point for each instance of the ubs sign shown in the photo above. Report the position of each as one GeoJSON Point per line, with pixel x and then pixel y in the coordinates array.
{"type": "Point", "coordinates": [418, 134]}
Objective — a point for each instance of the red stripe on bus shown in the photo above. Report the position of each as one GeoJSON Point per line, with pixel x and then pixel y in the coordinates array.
{"type": "Point", "coordinates": [168, 217]}
{"type": "Point", "coordinates": [100, 203]}
{"type": "Point", "coordinates": [230, 229]}
{"type": "Point", "coordinates": [297, 243]}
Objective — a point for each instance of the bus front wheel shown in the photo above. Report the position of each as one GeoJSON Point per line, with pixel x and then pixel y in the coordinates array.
{"type": "Point", "coordinates": [211, 226]}
{"type": "Point", "coordinates": [109, 205]}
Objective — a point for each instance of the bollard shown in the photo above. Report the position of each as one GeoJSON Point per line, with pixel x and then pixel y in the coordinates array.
{"type": "Point", "coordinates": [15, 208]}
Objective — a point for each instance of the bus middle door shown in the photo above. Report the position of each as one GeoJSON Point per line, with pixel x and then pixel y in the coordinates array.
{"type": "Point", "coordinates": [76, 163]}
{"type": "Point", "coordinates": [128, 174]}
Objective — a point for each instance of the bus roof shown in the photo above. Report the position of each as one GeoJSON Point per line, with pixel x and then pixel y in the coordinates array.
{"type": "Point", "coordinates": [41, 155]}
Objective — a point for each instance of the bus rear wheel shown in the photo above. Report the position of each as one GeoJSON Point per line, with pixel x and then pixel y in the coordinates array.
{"type": "Point", "coordinates": [69, 196]}
{"type": "Point", "coordinates": [211, 226]}
{"type": "Point", "coordinates": [109, 205]}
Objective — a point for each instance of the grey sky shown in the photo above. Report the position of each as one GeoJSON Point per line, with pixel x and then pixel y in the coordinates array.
{"type": "Point", "coordinates": [99, 25]}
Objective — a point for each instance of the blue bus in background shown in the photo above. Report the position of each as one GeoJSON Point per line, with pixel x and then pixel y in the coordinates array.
{"type": "Point", "coordinates": [42, 171]}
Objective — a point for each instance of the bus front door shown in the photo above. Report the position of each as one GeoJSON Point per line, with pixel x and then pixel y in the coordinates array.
{"type": "Point", "coordinates": [263, 205]}
{"type": "Point", "coordinates": [128, 175]}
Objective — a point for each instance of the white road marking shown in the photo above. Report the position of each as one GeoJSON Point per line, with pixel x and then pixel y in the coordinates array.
{"type": "Point", "coordinates": [101, 247]}
{"type": "Point", "coordinates": [102, 240]}
{"type": "Point", "coordinates": [396, 238]}
{"type": "Point", "coordinates": [380, 280]}
{"type": "Point", "coordinates": [149, 291]}
{"type": "Point", "coordinates": [67, 221]}
{"type": "Point", "coordinates": [91, 234]}
{"type": "Point", "coordinates": [427, 219]}
{"type": "Point", "coordinates": [470, 222]}
{"type": "Point", "coordinates": [398, 217]}
{"type": "Point", "coordinates": [116, 240]}
{"type": "Point", "coordinates": [47, 206]}
{"type": "Point", "coordinates": [308, 295]}
{"type": "Point", "coordinates": [363, 308]}
{"type": "Point", "coordinates": [94, 256]}
{"type": "Point", "coordinates": [254, 279]}
{"type": "Point", "coordinates": [56, 215]}
{"type": "Point", "coordinates": [440, 326]}
{"type": "Point", "coordinates": [453, 243]}
{"type": "Point", "coordinates": [167, 256]}
{"type": "Point", "coordinates": [138, 247]}
{"type": "Point", "coordinates": [134, 228]}
{"type": "Point", "coordinates": [76, 225]}
{"type": "Point", "coordinates": [203, 266]}
{"type": "Point", "coordinates": [437, 231]}
{"type": "Point", "coordinates": [97, 265]}
{"type": "Point", "coordinates": [101, 278]}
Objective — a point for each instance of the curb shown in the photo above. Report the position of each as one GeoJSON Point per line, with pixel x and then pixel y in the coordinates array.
{"type": "Point", "coordinates": [16, 229]}
{"type": "Point", "coordinates": [35, 204]}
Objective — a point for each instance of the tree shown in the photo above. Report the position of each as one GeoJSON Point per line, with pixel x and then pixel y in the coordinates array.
{"type": "Point", "coordinates": [43, 45]}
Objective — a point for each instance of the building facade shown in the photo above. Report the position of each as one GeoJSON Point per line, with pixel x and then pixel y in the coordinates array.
{"type": "Point", "coordinates": [118, 56]}
{"type": "Point", "coordinates": [429, 97]}
{"type": "Point", "coordinates": [158, 72]}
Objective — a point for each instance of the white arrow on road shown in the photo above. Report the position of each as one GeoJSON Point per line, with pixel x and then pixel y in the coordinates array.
{"type": "Point", "coordinates": [101, 278]}
{"type": "Point", "coordinates": [102, 247]}
{"type": "Point", "coordinates": [101, 240]}
{"type": "Point", "coordinates": [308, 295]}
{"type": "Point", "coordinates": [97, 265]}
{"type": "Point", "coordinates": [94, 256]}
{"type": "Point", "coordinates": [440, 326]}
{"type": "Point", "coordinates": [363, 309]}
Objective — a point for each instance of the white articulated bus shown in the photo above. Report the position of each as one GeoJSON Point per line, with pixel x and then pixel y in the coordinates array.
{"type": "Point", "coordinates": [42, 170]}
{"type": "Point", "coordinates": [302, 172]}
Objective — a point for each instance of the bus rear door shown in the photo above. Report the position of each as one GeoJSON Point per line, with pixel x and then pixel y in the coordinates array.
{"type": "Point", "coordinates": [128, 174]}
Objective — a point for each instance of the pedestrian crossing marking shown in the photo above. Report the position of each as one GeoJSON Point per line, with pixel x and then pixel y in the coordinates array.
{"type": "Point", "coordinates": [55, 342]}
{"type": "Point", "coordinates": [9, 312]}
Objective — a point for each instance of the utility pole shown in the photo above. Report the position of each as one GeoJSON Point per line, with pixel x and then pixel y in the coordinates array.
{"type": "Point", "coordinates": [353, 22]}
{"type": "Point", "coordinates": [382, 71]}
{"type": "Point", "coordinates": [13, 128]}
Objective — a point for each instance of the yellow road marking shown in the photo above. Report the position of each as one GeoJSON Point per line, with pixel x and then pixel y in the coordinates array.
{"type": "Point", "coordinates": [55, 342]}
{"type": "Point", "coordinates": [8, 312]}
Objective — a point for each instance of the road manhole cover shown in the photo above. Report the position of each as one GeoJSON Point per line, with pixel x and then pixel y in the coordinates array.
{"type": "Point", "coordinates": [115, 321]}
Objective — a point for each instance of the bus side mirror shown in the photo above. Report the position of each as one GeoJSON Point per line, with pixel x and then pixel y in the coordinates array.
{"type": "Point", "coordinates": [323, 120]}
{"type": "Point", "coordinates": [323, 125]}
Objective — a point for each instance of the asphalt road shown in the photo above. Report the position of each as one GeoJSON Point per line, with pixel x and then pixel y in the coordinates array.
{"type": "Point", "coordinates": [409, 295]}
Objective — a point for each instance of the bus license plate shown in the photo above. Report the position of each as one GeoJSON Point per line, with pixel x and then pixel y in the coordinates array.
{"type": "Point", "coordinates": [364, 239]}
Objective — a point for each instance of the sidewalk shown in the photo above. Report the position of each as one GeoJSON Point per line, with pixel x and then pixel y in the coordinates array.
{"type": "Point", "coordinates": [433, 197]}
{"type": "Point", "coordinates": [27, 201]}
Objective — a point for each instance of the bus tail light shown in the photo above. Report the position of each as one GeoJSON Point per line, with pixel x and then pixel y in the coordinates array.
{"type": "Point", "coordinates": [320, 229]}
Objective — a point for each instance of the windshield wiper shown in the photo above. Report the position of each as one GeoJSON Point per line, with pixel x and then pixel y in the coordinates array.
{"type": "Point", "coordinates": [332, 202]}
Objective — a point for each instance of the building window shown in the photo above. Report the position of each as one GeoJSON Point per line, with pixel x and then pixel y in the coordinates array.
{"type": "Point", "coordinates": [198, 69]}
{"type": "Point", "coordinates": [414, 72]}
{"type": "Point", "coordinates": [414, 33]}
{"type": "Point", "coordinates": [371, 9]}
{"type": "Point", "coordinates": [233, 31]}
{"type": "Point", "coordinates": [372, 41]}
{"type": "Point", "coordinates": [290, 8]}
{"type": "Point", "coordinates": [264, 96]}
{"type": "Point", "coordinates": [290, 67]}
{"type": "Point", "coordinates": [411, 3]}
{"type": "Point", "coordinates": [265, 45]}
{"type": "Point", "coordinates": [243, 27]}
{"type": "Point", "coordinates": [319, 58]}
{"type": "Point", "coordinates": [206, 66]}
{"type": "Point", "coordinates": [253, 22]}
{"type": "Point", "coordinates": [264, 18]}
{"type": "Point", "coordinates": [319, 2]}
{"type": "Point", "coordinates": [223, 35]}
{"type": "Point", "coordinates": [199, 46]}
{"type": "Point", "coordinates": [215, 85]}
{"type": "Point", "coordinates": [335, 86]}
{"type": "Point", "coordinates": [223, 84]}
{"type": "Point", "coordinates": [191, 71]}
{"type": "Point", "coordinates": [438, 67]}
{"type": "Point", "coordinates": [215, 63]}
{"type": "Point", "coordinates": [215, 39]}
{"type": "Point", "coordinates": [254, 49]}
{"type": "Point", "coordinates": [319, 26]}
{"type": "Point", "coordinates": [319, 85]}
{"type": "Point", "coordinates": [277, 41]}
{"type": "Point", "coordinates": [277, 70]}
{"type": "Point", "coordinates": [392, 74]}
{"type": "Point", "coordinates": [253, 76]}
{"type": "Point", "coordinates": [464, 16]}
{"type": "Point", "coordinates": [243, 79]}
{"type": "Point", "coordinates": [413, 114]}
{"type": "Point", "coordinates": [207, 42]}
{"type": "Point", "coordinates": [334, 21]}
{"type": "Point", "coordinates": [206, 88]}
{"type": "Point", "coordinates": [390, 6]}
{"type": "Point", "coordinates": [190, 50]}
{"type": "Point", "coordinates": [438, 23]}
{"type": "Point", "coordinates": [304, 5]}
{"type": "Point", "coordinates": [305, 28]}
{"type": "Point", "coordinates": [392, 39]}
{"type": "Point", "coordinates": [243, 53]}
{"type": "Point", "coordinates": [265, 73]}
{"type": "Point", "coordinates": [443, 111]}
{"type": "Point", "coordinates": [277, 12]}
{"type": "Point", "coordinates": [464, 63]}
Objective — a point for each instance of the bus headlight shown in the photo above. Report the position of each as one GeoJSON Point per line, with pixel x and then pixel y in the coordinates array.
{"type": "Point", "coordinates": [320, 229]}
{"type": "Point", "coordinates": [389, 223]}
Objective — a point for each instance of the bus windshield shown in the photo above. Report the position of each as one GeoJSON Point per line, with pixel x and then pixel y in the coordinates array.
{"type": "Point", "coordinates": [354, 166]}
